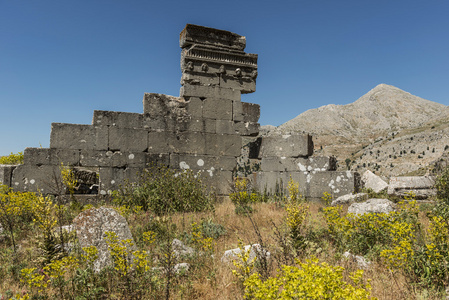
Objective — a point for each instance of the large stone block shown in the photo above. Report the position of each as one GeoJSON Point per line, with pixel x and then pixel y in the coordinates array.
{"type": "Point", "coordinates": [190, 143]}
{"type": "Point", "coordinates": [119, 119]}
{"type": "Point", "coordinates": [157, 159]}
{"type": "Point", "coordinates": [209, 92]}
{"type": "Point", "coordinates": [246, 84]}
{"type": "Point", "coordinates": [81, 137]}
{"type": "Point", "coordinates": [6, 174]}
{"type": "Point", "coordinates": [218, 109]}
{"type": "Point", "coordinates": [237, 111]}
{"type": "Point", "coordinates": [333, 182]}
{"type": "Point", "coordinates": [161, 142]}
{"type": "Point", "coordinates": [247, 128]}
{"type": "Point", "coordinates": [112, 178]}
{"type": "Point", "coordinates": [51, 156]}
{"type": "Point", "coordinates": [127, 139]}
{"type": "Point", "coordinates": [206, 163]}
{"type": "Point", "coordinates": [225, 127]}
{"type": "Point", "coordinates": [251, 112]}
{"type": "Point", "coordinates": [44, 179]}
{"type": "Point", "coordinates": [194, 106]}
{"type": "Point", "coordinates": [95, 158]}
{"type": "Point", "coordinates": [223, 144]}
{"type": "Point", "coordinates": [300, 164]}
{"type": "Point", "coordinates": [217, 181]}
{"type": "Point", "coordinates": [287, 146]}
{"type": "Point", "coordinates": [197, 78]}
{"type": "Point", "coordinates": [202, 125]}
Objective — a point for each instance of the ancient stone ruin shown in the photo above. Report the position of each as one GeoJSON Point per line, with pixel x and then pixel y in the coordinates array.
{"type": "Point", "coordinates": [207, 129]}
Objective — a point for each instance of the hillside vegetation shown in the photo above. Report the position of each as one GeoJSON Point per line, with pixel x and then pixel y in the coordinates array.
{"type": "Point", "coordinates": [406, 252]}
{"type": "Point", "coordinates": [387, 130]}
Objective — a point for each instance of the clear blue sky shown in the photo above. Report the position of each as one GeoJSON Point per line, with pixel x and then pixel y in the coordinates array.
{"type": "Point", "coordinates": [61, 60]}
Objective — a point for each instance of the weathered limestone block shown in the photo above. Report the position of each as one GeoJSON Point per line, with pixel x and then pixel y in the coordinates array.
{"type": "Point", "coordinates": [91, 227]}
{"type": "Point", "coordinates": [163, 112]}
{"type": "Point", "coordinates": [246, 84]}
{"type": "Point", "coordinates": [202, 162]}
{"type": "Point", "coordinates": [194, 107]}
{"type": "Point", "coordinates": [210, 92]}
{"type": "Point", "coordinates": [95, 158]}
{"type": "Point", "coordinates": [247, 128]}
{"type": "Point", "coordinates": [200, 78]}
{"type": "Point", "coordinates": [189, 143]}
{"type": "Point", "coordinates": [218, 109]}
{"type": "Point", "coordinates": [128, 139]}
{"type": "Point", "coordinates": [81, 137]}
{"type": "Point", "coordinates": [349, 199]}
{"type": "Point", "coordinates": [286, 146]}
{"type": "Point", "coordinates": [51, 156]}
{"type": "Point", "coordinates": [202, 125]}
{"type": "Point", "coordinates": [157, 159]}
{"type": "Point", "coordinates": [276, 182]}
{"type": "Point", "coordinates": [256, 250]}
{"type": "Point", "coordinates": [237, 111]}
{"type": "Point", "coordinates": [374, 182]}
{"type": "Point", "coordinates": [112, 178]}
{"type": "Point", "coordinates": [225, 127]}
{"type": "Point", "coordinates": [195, 34]}
{"type": "Point", "coordinates": [422, 186]}
{"type": "Point", "coordinates": [218, 181]}
{"type": "Point", "coordinates": [372, 206]}
{"type": "Point", "coordinates": [333, 182]}
{"type": "Point", "coordinates": [119, 119]}
{"type": "Point", "coordinates": [251, 112]}
{"type": "Point", "coordinates": [6, 174]}
{"type": "Point", "coordinates": [29, 178]}
{"type": "Point", "coordinates": [160, 142]}
{"type": "Point", "coordinates": [223, 144]}
{"type": "Point", "coordinates": [311, 164]}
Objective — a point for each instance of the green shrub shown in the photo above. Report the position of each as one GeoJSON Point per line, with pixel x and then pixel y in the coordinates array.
{"type": "Point", "coordinates": [12, 159]}
{"type": "Point", "coordinates": [308, 280]}
{"type": "Point", "coordinates": [163, 190]}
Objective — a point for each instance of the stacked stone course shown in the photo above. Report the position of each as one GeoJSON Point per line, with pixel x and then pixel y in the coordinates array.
{"type": "Point", "coordinates": [207, 129]}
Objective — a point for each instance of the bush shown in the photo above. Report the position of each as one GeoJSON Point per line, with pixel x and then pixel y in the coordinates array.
{"type": "Point", "coordinates": [163, 190]}
{"type": "Point", "coordinates": [12, 159]}
{"type": "Point", "coordinates": [308, 280]}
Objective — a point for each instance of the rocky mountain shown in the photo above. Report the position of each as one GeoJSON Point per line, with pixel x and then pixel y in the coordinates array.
{"type": "Point", "coordinates": [387, 130]}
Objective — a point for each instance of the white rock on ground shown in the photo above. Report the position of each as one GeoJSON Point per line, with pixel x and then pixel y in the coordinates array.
{"type": "Point", "coordinates": [180, 249]}
{"type": "Point", "coordinates": [256, 249]}
{"type": "Point", "coordinates": [372, 206]}
{"type": "Point", "coordinates": [374, 182]}
{"type": "Point", "coordinates": [349, 199]}
{"type": "Point", "coordinates": [361, 262]}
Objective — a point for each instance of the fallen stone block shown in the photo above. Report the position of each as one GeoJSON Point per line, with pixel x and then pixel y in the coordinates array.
{"type": "Point", "coordinates": [51, 156]}
{"type": "Point", "coordinates": [255, 252]}
{"type": "Point", "coordinates": [91, 227]}
{"type": "Point", "coordinates": [81, 137]}
{"type": "Point", "coordinates": [372, 206]}
{"type": "Point", "coordinates": [422, 186]}
{"type": "Point", "coordinates": [374, 182]}
{"type": "Point", "coordinates": [6, 174]}
{"type": "Point", "coordinates": [286, 146]}
{"type": "Point", "coordinates": [119, 119]}
{"type": "Point", "coordinates": [349, 199]}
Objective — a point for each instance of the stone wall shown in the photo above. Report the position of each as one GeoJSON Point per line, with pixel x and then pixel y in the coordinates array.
{"type": "Point", "coordinates": [207, 129]}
